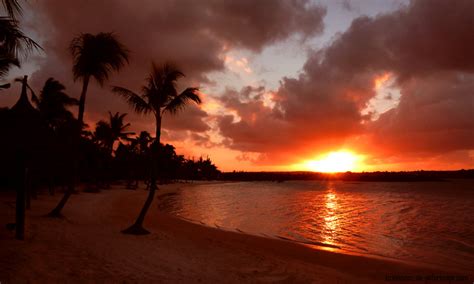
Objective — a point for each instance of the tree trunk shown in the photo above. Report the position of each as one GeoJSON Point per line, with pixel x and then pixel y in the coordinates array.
{"type": "Point", "coordinates": [56, 212]}
{"type": "Point", "coordinates": [27, 192]}
{"type": "Point", "coordinates": [158, 129]}
{"type": "Point", "coordinates": [137, 227]}
{"type": "Point", "coordinates": [82, 101]}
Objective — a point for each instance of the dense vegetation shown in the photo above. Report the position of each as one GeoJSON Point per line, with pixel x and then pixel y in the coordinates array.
{"type": "Point", "coordinates": [108, 153]}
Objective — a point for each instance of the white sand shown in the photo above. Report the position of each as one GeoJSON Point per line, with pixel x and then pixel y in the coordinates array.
{"type": "Point", "coordinates": [87, 246]}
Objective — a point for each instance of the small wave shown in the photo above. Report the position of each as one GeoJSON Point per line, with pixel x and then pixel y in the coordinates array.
{"type": "Point", "coordinates": [309, 242]}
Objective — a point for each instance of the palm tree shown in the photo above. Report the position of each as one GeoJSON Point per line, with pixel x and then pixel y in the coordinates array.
{"type": "Point", "coordinates": [108, 132]}
{"type": "Point", "coordinates": [133, 157]}
{"type": "Point", "coordinates": [12, 40]}
{"type": "Point", "coordinates": [158, 97]}
{"type": "Point", "coordinates": [52, 105]}
{"type": "Point", "coordinates": [142, 142]}
{"type": "Point", "coordinates": [94, 56]}
{"type": "Point", "coordinates": [13, 43]}
{"type": "Point", "coordinates": [105, 135]}
{"type": "Point", "coordinates": [53, 102]}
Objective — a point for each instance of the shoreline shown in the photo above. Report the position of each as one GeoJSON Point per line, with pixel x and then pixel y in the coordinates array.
{"type": "Point", "coordinates": [313, 245]}
{"type": "Point", "coordinates": [87, 246]}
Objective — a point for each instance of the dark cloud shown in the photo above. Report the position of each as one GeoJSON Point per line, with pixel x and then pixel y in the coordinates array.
{"type": "Point", "coordinates": [203, 140]}
{"type": "Point", "coordinates": [426, 36]}
{"type": "Point", "coordinates": [193, 34]}
{"type": "Point", "coordinates": [428, 46]}
{"type": "Point", "coordinates": [435, 115]}
{"type": "Point", "coordinates": [191, 118]}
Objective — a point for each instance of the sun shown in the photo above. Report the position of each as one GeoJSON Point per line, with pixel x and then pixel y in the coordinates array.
{"type": "Point", "coordinates": [333, 162]}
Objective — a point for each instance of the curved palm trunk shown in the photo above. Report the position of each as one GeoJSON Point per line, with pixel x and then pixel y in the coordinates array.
{"type": "Point", "coordinates": [56, 212]}
{"type": "Point", "coordinates": [137, 227]}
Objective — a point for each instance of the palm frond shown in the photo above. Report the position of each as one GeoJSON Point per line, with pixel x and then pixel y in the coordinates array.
{"type": "Point", "coordinates": [13, 8]}
{"type": "Point", "coordinates": [54, 92]}
{"type": "Point", "coordinates": [126, 126]}
{"type": "Point", "coordinates": [169, 73]}
{"type": "Point", "coordinates": [6, 62]}
{"type": "Point", "coordinates": [134, 100]}
{"type": "Point", "coordinates": [181, 100]}
{"type": "Point", "coordinates": [5, 86]}
{"type": "Point", "coordinates": [122, 116]}
{"type": "Point", "coordinates": [14, 41]}
{"type": "Point", "coordinates": [97, 55]}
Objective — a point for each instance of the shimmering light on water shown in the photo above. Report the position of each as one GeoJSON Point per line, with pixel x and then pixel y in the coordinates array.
{"type": "Point", "coordinates": [424, 222]}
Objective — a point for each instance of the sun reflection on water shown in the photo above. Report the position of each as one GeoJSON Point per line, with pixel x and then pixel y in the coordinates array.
{"type": "Point", "coordinates": [331, 221]}
{"type": "Point", "coordinates": [394, 220]}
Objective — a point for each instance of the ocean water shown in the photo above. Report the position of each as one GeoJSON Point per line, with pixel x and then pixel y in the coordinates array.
{"type": "Point", "coordinates": [423, 222]}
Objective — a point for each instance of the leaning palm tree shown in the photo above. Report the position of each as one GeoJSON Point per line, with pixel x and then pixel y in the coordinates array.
{"type": "Point", "coordinates": [95, 56]}
{"type": "Point", "coordinates": [158, 97]}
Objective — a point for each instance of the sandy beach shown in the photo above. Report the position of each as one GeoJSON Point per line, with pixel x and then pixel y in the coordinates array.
{"type": "Point", "coordinates": [87, 246]}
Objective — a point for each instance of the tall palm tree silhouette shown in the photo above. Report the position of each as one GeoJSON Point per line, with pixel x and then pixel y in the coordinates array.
{"type": "Point", "coordinates": [108, 132]}
{"type": "Point", "coordinates": [158, 97]}
{"type": "Point", "coordinates": [95, 56]}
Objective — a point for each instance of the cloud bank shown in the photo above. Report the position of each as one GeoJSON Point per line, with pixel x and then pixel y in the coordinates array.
{"type": "Point", "coordinates": [427, 46]}
{"type": "Point", "coordinates": [195, 35]}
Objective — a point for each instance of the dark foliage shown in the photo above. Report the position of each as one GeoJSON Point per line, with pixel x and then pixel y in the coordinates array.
{"type": "Point", "coordinates": [45, 131]}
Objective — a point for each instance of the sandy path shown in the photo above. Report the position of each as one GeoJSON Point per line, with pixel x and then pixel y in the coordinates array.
{"type": "Point", "coordinates": [87, 246]}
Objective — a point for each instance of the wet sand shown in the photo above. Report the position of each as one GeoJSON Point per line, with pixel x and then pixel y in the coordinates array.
{"type": "Point", "coordinates": [87, 246]}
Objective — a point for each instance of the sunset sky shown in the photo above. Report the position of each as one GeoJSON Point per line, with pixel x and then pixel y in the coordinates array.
{"type": "Point", "coordinates": [286, 85]}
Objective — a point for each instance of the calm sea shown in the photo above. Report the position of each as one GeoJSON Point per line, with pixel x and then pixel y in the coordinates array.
{"type": "Point", "coordinates": [422, 222]}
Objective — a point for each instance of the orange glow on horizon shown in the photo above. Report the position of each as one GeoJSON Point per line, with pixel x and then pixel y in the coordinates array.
{"type": "Point", "coordinates": [333, 162]}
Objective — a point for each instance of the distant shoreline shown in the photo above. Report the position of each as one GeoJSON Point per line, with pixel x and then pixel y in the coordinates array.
{"type": "Point", "coordinates": [402, 176]}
